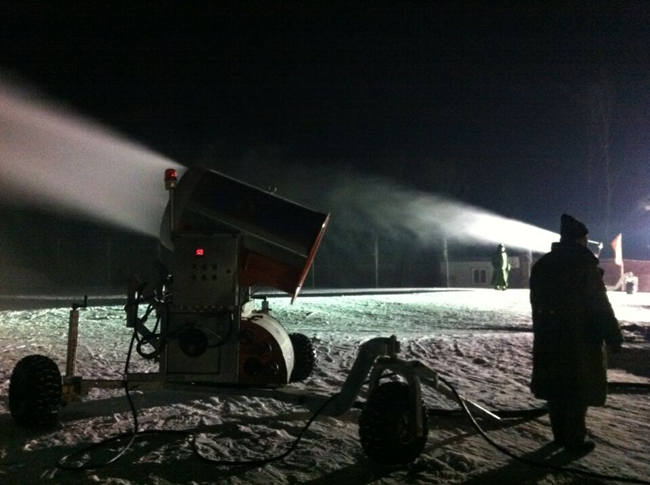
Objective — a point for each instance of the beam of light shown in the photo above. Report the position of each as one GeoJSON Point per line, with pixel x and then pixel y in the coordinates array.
{"type": "Point", "coordinates": [428, 218]}
{"type": "Point", "coordinates": [52, 158]}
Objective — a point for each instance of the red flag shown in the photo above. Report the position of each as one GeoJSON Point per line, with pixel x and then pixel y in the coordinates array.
{"type": "Point", "coordinates": [617, 246]}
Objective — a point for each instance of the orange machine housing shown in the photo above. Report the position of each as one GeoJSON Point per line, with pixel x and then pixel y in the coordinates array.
{"type": "Point", "coordinates": [280, 237]}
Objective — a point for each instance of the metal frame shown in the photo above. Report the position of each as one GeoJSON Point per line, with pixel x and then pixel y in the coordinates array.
{"type": "Point", "coordinates": [376, 358]}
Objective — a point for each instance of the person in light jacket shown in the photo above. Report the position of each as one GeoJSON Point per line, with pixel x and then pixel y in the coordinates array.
{"type": "Point", "coordinates": [500, 268]}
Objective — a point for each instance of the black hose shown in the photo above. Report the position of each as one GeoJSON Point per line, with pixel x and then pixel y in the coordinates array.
{"type": "Point", "coordinates": [138, 348]}
{"type": "Point", "coordinates": [527, 461]}
{"type": "Point", "coordinates": [612, 388]}
{"type": "Point", "coordinates": [628, 387]}
{"type": "Point", "coordinates": [131, 435]}
{"type": "Point", "coordinates": [264, 461]}
{"type": "Point", "coordinates": [502, 413]}
{"type": "Point", "coordinates": [136, 432]}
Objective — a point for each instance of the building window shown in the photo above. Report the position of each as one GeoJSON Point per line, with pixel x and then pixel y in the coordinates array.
{"type": "Point", "coordinates": [479, 276]}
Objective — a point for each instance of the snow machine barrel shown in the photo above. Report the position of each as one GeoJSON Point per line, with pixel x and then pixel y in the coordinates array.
{"type": "Point", "coordinates": [279, 237]}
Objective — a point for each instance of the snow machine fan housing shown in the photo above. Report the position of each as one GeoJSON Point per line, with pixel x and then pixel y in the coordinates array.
{"type": "Point", "coordinates": [279, 237]}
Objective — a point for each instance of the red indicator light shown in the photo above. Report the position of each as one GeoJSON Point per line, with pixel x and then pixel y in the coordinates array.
{"type": "Point", "coordinates": [170, 179]}
{"type": "Point", "coordinates": [170, 174]}
{"type": "Point", "coordinates": [199, 252]}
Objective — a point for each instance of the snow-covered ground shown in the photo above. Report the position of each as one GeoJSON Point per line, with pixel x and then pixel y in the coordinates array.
{"type": "Point", "coordinates": [479, 339]}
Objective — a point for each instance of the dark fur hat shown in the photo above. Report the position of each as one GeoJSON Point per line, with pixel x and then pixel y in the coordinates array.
{"type": "Point", "coordinates": [571, 229]}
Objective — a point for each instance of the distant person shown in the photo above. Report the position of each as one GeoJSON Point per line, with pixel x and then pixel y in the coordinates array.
{"type": "Point", "coordinates": [500, 268]}
{"type": "Point", "coordinates": [572, 318]}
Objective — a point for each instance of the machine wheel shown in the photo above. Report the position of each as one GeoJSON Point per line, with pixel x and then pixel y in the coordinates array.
{"type": "Point", "coordinates": [304, 357]}
{"type": "Point", "coordinates": [384, 426]}
{"type": "Point", "coordinates": [35, 391]}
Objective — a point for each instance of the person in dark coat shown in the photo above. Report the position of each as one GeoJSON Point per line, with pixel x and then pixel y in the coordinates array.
{"type": "Point", "coordinates": [500, 268]}
{"type": "Point", "coordinates": [572, 319]}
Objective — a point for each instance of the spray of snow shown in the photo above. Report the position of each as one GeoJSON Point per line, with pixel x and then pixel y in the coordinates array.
{"type": "Point", "coordinates": [53, 158]}
{"type": "Point", "coordinates": [429, 217]}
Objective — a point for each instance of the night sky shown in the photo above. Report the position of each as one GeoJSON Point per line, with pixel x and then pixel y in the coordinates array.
{"type": "Point", "coordinates": [515, 110]}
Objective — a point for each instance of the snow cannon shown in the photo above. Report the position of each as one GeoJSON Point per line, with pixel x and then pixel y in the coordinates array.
{"type": "Point", "coordinates": [226, 237]}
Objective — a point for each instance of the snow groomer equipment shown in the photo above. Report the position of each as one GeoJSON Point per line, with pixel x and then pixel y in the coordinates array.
{"type": "Point", "coordinates": [223, 239]}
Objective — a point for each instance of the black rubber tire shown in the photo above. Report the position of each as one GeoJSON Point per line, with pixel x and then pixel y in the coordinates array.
{"type": "Point", "coordinates": [384, 426]}
{"type": "Point", "coordinates": [304, 357]}
{"type": "Point", "coordinates": [35, 391]}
